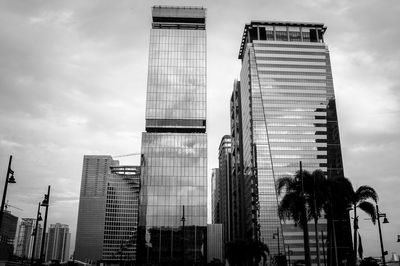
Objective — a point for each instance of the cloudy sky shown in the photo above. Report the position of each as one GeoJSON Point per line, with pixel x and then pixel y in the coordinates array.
{"type": "Point", "coordinates": [73, 82]}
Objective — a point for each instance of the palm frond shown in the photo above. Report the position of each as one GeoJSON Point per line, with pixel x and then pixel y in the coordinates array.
{"type": "Point", "coordinates": [283, 182]}
{"type": "Point", "coordinates": [369, 209]}
{"type": "Point", "coordinates": [366, 192]}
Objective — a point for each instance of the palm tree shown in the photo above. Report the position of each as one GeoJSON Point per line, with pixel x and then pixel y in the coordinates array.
{"type": "Point", "coordinates": [293, 206]}
{"type": "Point", "coordinates": [341, 198]}
{"type": "Point", "coordinates": [359, 199]}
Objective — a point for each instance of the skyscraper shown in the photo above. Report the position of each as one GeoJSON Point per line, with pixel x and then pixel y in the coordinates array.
{"type": "Point", "coordinates": [122, 208]}
{"type": "Point", "coordinates": [173, 195]}
{"type": "Point", "coordinates": [57, 242]}
{"type": "Point", "coordinates": [225, 186]}
{"type": "Point", "coordinates": [287, 114]}
{"type": "Point", "coordinates": [92, 207]}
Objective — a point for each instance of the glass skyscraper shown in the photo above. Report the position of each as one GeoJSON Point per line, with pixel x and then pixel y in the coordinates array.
{"type": "Point", "coordinates": [173, 196]}
{"type": "Point", "coordinates": [288, 114]}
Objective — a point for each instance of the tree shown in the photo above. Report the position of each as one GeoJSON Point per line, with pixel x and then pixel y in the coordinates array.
{"type": "Point", "coordinates": [293, 206]}
{"type": "Point", "coordinates": [359, 199]}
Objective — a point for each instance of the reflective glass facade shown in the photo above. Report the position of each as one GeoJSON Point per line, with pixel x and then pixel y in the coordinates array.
{"type": "Point", "coordinates": [122, 209]}
{"type": "Point", "coordinates": [173, 196]}
{"type": "Point", "coordinates": [286, 87]}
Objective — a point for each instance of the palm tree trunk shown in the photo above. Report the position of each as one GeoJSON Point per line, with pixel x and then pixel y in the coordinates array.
{"type": "Point", "coordinates": [316, 238]}
{"type": "Point", "coordinates": [355, 228]}
{"type": "Point", "coordinates": [307, 257]}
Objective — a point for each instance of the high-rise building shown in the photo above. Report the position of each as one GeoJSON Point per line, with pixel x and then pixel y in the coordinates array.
{"type": "Point", "coordinates": [241, 201]}
{"type": "Point", "coordinates": [25, 238]}
{"type": "Point", "coordinates": [57, 242]}
{"type": "Point", "coordinates": [285, 109]}
{"type": "Point", "coordinates": [173, 197]}
{"type": "Point", "coordinates": [92, 207]}
{"type": "Point", "coordinates": [225, 186]}
{"type": "Point", "coordinates": [122, 208]}
{"type": "Point", "coordinates": [215, 196]}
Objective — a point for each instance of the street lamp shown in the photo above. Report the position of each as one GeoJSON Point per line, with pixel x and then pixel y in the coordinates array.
{"type": "Point", "coordinates": [35, 232]}
{"type": "Point", "coordinates": [398, 238]}
{"type": "Point", "coordinates": [9, 179]}
{"type": "Point", "coordinates": [45, 203]}
{"type": "Point", "coordinates": [385, 221]}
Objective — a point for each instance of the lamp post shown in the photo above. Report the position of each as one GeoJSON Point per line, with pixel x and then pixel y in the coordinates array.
{"type": "Point", "coordinates": [275, 236]}
{"type": "Point", "coordinates": [35, 232]}
{"type": "Point", "coordinates": [45, 203]}
{"type": "Point", "coordinates": [183, 234]}
{"type": "Point", "coordinates": [385, 221]}
{"type": "Point", "coordinates": [9, 179]}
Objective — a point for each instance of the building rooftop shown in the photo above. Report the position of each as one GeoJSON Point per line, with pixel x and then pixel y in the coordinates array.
{"type": "Point", "coordinates": [248, 26]}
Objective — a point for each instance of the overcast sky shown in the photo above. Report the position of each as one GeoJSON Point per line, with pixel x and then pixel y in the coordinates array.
{"type": "Point", "coordinates": [73, 82]}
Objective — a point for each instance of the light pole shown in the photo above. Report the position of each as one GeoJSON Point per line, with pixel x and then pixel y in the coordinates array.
{"type": "Point", "coordinates": [183, 234]}
{"type": "Point", "coordinates": [35, 232]}
{"type": "Point", "coordinates": [385, 221]}
{"type": "Point", "coordinates": [275, 236]}
{"type": "Point", "coordinates": [45, 203]}
{"type": "Point", "coordinates": [9, 179]}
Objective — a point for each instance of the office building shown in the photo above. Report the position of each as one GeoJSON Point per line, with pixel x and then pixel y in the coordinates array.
{"type": "Point", "coordinates": [215, 196]}
{"type": "Point", "coordinates": [287, 114]}
{"type": "Point", "coordinates": [173, 197]}
{"type": "Point", "coordinates": [25, 238]}
{"type": "Point", "coordinates": [225, 186]}
{"type": "Point", "coordinates": [241, 206]}
{"type": "Point", "coordinates": [121, 220]}
{"type": "Point", "coordinates": [92, 207]}
{"type": "Point", "coordinates": [57, 242]}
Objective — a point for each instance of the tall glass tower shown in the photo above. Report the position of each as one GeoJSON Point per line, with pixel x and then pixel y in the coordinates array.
{"type": "Point", "coordinates": [288, 114]}
{"type": "Point", "coordinates": [173, 197]}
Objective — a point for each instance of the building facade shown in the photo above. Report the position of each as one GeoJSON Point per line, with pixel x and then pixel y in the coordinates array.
{"type": "Point", "coordinates": [215, 197]}
{"type": "Point", "coordinates": [122, 209]}
{"type": "Point", "coordinates": [225, 187]}
{"type": "Point", "coordinates": [173, 197]}
{"type": "Point", "coordinates": [24, 240]}
{"type": "Point", "coordinates": [287, 115]}
{"type": "Point", "coordinates": [241, 201]}
{"type": "Point", "coordinates": [57, 242]}
{"type": "Point", "coordinates": [92, 207]}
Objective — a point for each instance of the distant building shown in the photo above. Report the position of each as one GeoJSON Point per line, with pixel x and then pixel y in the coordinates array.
{"type": "Point", "coordinates": [215, 245]}
{"type": "Point", "coordinates": [25, 238]}
{"type": "Point", "coordinates": [215, 196]}
{"type": "Point", "coordinates": [241, 206]}
{"type": "Point", "coordinates": [225, 186]}
{"type": "Point", "coordinates": [7, 234]}
{"type": "Point", "coordinates": [92, 207]}
{"type": "Point", "coordinates": [122, 209]}
{"type": "Point", "coordinates": [57, 242]}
